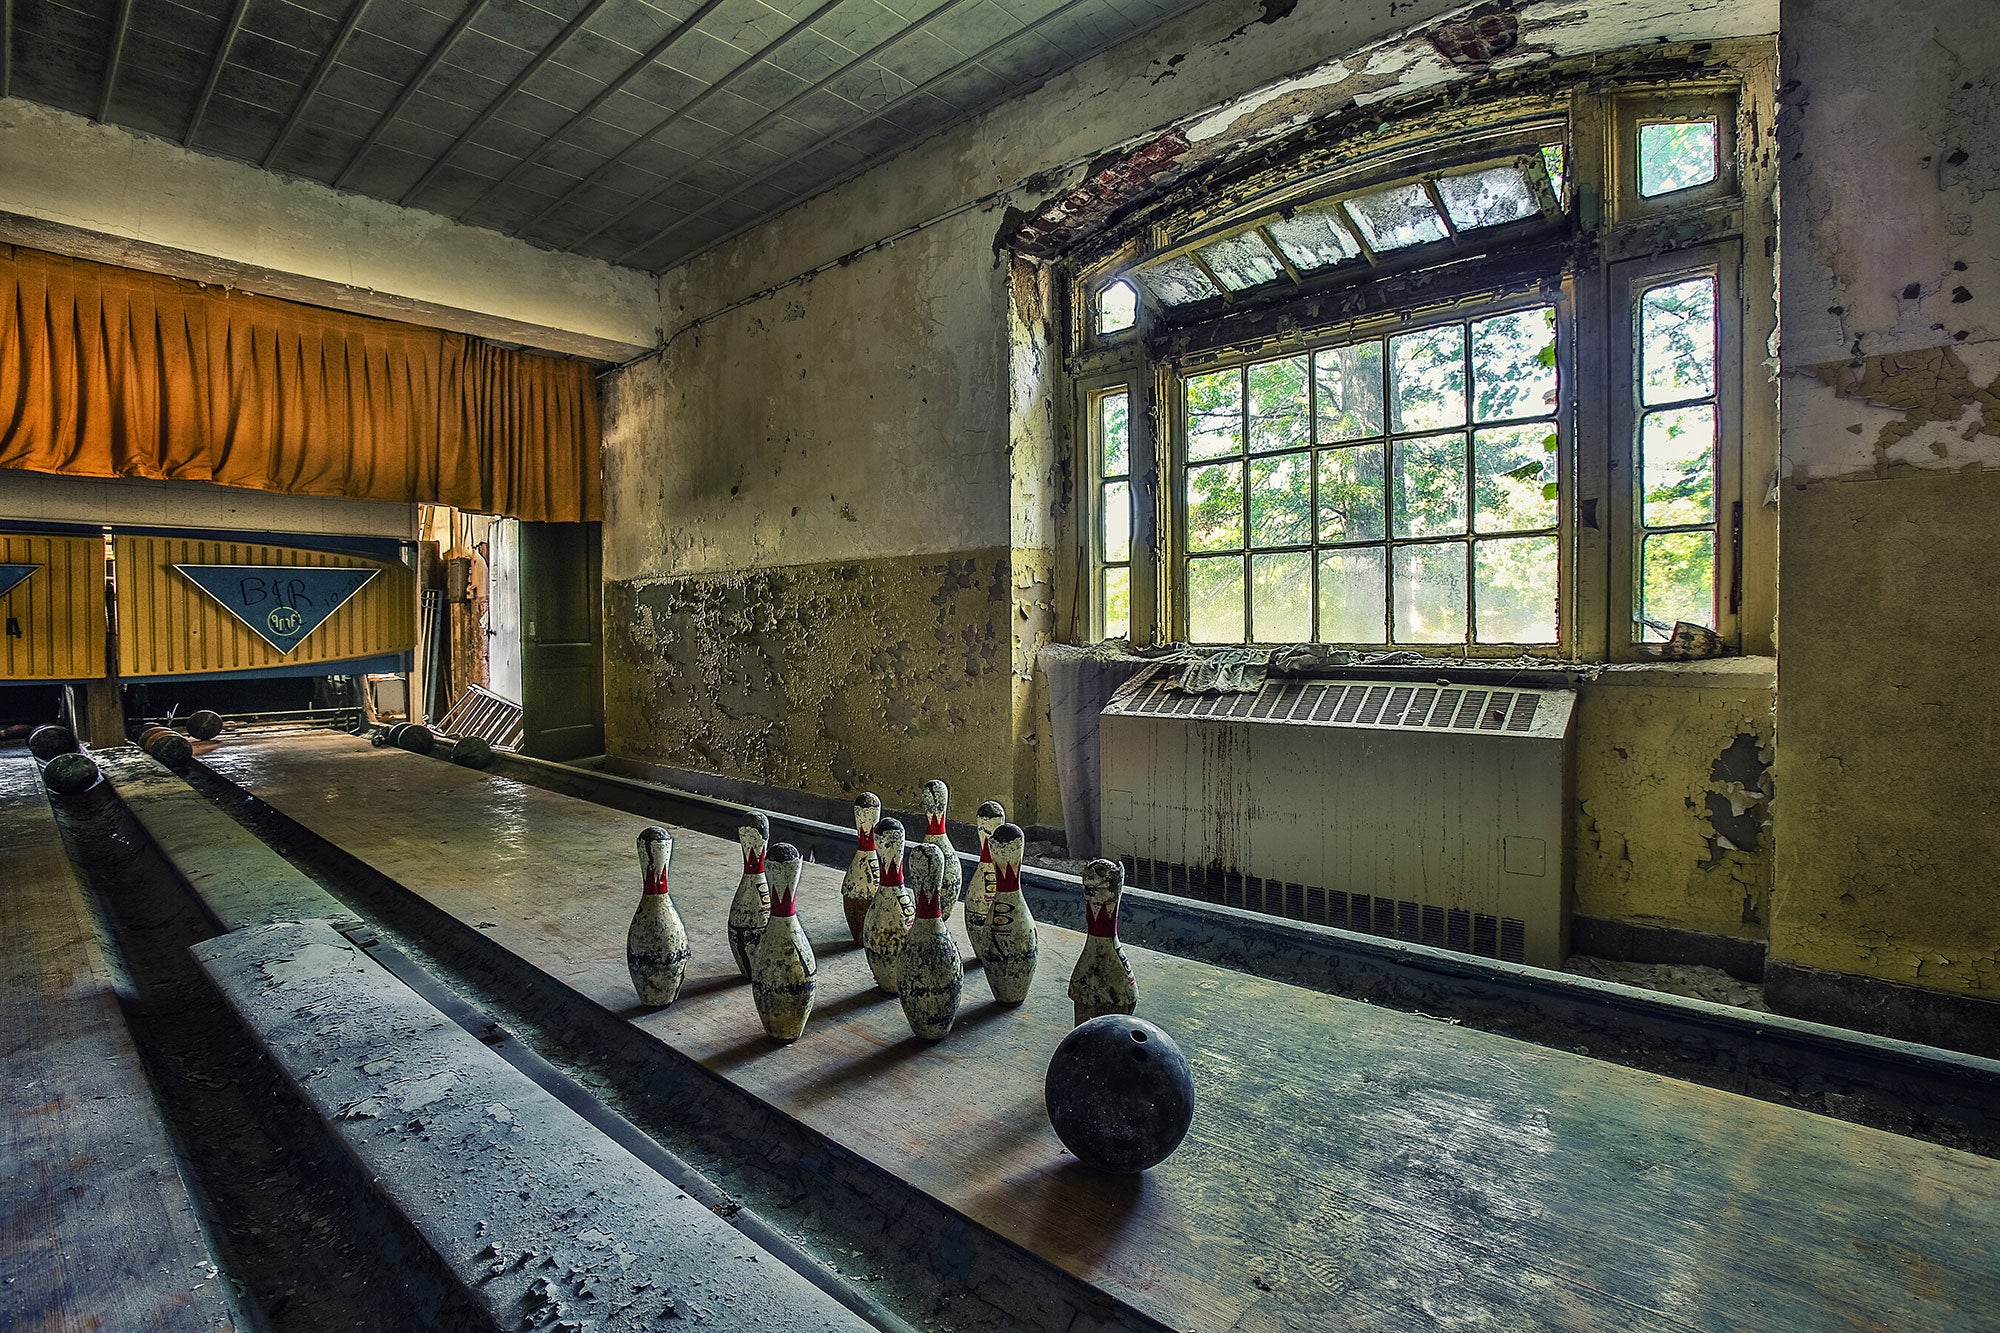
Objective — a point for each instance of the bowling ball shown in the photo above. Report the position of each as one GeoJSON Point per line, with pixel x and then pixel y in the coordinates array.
{"type": "Point", "coordinates": [395, 733]}
{"type": "Point", "coordinates": [472, 752]}
{"type": "Point", "coordinates": [70, 774]}
{"type": "Point", "coordinates": [205, 725]}
{"type": "Point", "coordinates": [1119, 1093]}
{"type": "Point", "coordinates": [45, 743]}
{"type": "Point", "coordinates": [417, 739]}
{"type": "Point", "coordinates": [170, 748]}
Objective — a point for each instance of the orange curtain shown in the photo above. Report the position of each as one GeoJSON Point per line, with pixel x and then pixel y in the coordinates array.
{"type": "Point", "coordinates": [108, 372]}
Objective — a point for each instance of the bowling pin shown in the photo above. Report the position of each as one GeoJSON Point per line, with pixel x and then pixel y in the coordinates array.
{"type": "Point", "coordinates": [783, 976]}
{"type": "Point", "coordinates": [750, 909]}
{"type": "Point", "coordinates": [1011, 940]}
{"type": "Point", "coordinates": [857, 891]}
{"type": "Point", "coordinates": [930, 976]}
{"type": "Point", "coordinates": [1102, 982]}
{"type": "Point", "coordinates": [937, 799]}
{"type": "Point", "coordinates": [656, 946]}
{"type": "Point", "coordinates": [979, 889]}
{"type": "Point", "coordinates": [891, 910]}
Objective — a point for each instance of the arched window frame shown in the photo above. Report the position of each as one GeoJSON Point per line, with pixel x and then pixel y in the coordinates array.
{"type": "Point", "coordinates": [1604, 247]}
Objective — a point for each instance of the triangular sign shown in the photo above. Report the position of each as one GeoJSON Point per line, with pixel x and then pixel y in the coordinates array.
{"type": "Point", "coordinates": [13, 576]}
{"type": "Point", "coordinates": [284, 604]}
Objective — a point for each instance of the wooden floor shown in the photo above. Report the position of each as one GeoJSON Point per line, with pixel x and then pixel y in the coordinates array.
{"type": "Point", "coordinates": [1349, 1167]}
{"type": "Point", "coordinates": [97, 1230]}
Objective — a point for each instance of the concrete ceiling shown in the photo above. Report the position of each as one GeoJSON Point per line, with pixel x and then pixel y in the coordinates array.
{"type": "Point", "coordinates": [635, 131]}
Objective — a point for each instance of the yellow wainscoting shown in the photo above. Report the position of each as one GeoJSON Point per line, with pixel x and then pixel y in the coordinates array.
{"type": "Point", "coordinates": [60, 609]}
{"type": "Point", "coordinates": [169, 627]}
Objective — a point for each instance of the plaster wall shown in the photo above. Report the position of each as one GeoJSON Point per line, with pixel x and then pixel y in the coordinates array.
{"type": "Point", "coordinates": [1890, 196]}
{"type": "Point", "coordinates": [100, 192]}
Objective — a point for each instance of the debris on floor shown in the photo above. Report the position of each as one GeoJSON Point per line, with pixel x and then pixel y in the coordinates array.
{"type": "Point", "coordinates": [1686, 979]}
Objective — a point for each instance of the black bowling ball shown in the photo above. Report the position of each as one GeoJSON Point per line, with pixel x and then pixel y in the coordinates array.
{"type": "Point", "coordinates": [472, 752]}
{"type": "Point", "coordinates": [417, 739]}
{"type": "Point", "coordinates": [1119, 1093]}
{"type": "Point", "coordinates": [70, 774]}
{"type": "Point", "coordinates": [205, 725]}
{"type": "Point", "coordinates": [169, 748]}
{"type": "Point", "coordinates": [45, 743]}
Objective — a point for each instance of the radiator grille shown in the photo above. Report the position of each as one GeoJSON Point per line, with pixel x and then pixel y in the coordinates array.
{"type": "Point", "coordinates": [1373, 704]}
{"type": "Point", "coordinates": [1502, 937]}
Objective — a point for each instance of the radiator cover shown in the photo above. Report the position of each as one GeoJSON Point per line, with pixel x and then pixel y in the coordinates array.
{"type": "Point", "coordinates": [1433, 813]}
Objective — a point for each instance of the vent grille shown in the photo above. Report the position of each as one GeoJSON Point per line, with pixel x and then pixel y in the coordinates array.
{"type": "Point", "coordinates": [1373, 704]}
{"type": "Point", "coordinates": [1502, 937]}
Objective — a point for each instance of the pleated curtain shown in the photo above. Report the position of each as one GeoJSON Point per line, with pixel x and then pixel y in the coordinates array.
{"type": "Point", "coordinates": [109, 372]}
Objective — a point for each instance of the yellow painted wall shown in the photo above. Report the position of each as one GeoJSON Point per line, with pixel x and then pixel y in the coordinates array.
{"type": "Point", "coordinates": [60, 608]}
{"type": "Point", "coordinates": [168, 626]}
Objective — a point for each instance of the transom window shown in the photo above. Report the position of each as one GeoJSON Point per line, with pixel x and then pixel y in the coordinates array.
{"type": "Point", "coordinates": [1487, 407]}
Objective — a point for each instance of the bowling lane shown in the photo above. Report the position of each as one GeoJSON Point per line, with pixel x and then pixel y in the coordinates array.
{"type": "Point", "coordinates": [1349, 1166]}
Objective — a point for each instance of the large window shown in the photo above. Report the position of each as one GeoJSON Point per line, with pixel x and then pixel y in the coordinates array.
{"type": "Point", "coordinates": [1480, 398]}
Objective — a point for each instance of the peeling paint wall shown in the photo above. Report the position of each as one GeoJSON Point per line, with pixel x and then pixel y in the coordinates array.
{"type": "Point", "coordinates": [1888, 845]}
{"type": "Point", "coordinates": [1674, 797]}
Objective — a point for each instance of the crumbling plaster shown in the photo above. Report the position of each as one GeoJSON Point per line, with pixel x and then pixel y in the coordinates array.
{"type": "Point", "coordinates": [100, 192]}
{"type": "Point", "coordinates": [1674, 797]}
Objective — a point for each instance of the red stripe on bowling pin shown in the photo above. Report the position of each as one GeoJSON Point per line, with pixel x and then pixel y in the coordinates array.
{"type": "Point", "coordinates": [1099, 923]}
{"type": "Point", "coordinates": [864, 840]}
{"type": "Point", "coordinates": [892, 871]}
{"type": "Point", "coordinates": [933, 825]}
{"type": "Point", "coordinates": [929, 904]}
{"type": "Point", "coordinates": [656, 884]}
{"type": "Point", "coordinates": [753, 863]}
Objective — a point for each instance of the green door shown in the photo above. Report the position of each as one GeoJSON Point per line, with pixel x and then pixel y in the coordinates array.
{"type": "Point", "coordinates": [562, 640]}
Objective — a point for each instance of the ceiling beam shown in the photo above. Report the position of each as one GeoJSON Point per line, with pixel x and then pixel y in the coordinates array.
{"type": "Point", "coordinates": [612, 89]}
{"type": "Point", "coordinates": [769, 116]}
{"type": "Point", "coordinates": [480, 121]}
{"type": "Point", "coordinates": [111, 61]}
{"type": "Point", "coordinates": [686, 108]}
{"type": "Point", "coordinates": [320, 71]}
{"type": "Point", "coordinates": [6, 48]}
{"type": "Point", "coordinates": [216, 65]}
{"type": "Point", "coordinates": [751, 182]}
{"type": "Point", "coordinates": [431, 62]}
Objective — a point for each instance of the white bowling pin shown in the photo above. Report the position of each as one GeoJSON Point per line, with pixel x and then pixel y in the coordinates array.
{"type": "Point", "coordinates": [750, 909]}
{"type": "Point", "coordinates": [865, 872]}
{"type": "Point", "coordinates": [937, 800]}
{"type": "Point", "coordinates": [979, 889]}
{"type": "Point", "coordinates": [890, 912]}
{"type": "Point", "coordinates": [1012, 944]}
{"type": "Point", "coordinates": [1102, 982]}
{"type": "Point", "coordinates": [930, 976]}
{"type": "Point", "coordinates": [656, 946]}
{"type": "Point", "coordinates": [783, 979]}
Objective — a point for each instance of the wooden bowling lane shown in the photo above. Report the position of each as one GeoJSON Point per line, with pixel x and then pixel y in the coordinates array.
{"type": "Point", "coordinates": [1349, 1166]}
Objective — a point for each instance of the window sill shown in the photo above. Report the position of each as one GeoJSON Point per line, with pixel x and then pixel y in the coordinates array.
{"type": "Point", "coordinates": [1717, 673]}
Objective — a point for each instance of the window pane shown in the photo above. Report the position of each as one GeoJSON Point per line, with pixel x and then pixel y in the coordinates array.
{"type": "Point", "coordinates": [1427, 378]}
{"type": "Point", "coordinates": [1677, 342]}
{"type": "Point", "coordinates": [1278, 405]}
{"type": "Point", "coordinates": [1117, 308]}
{"type": "Point", "coordinates": [1677, 455]}
{"type": "Point", "coordinates": [1430, 593]}
{"type": "Point", "coordinates": [1488, 198]}
{"type": "Point", "coordinates": [1677, 155]}
{"type": "Point", "coordinates": [1113, 458]}
{"type": "Point", "coordinates": [1242, 261]}
{"type": "Point", "coordinates": [1215, 507]}
{"type": "Point", "coordinates": [1430, 486]}
{"type": "Point", "coordinates": [1348, 382]}
{"type": "Point", "coordinates": [1116, 592]}
{"type": "Point", "coordinates": [1313, 239]}
{"type": "Point", "coordinates": [1215, 600]}
{"type": "Point", "coordinates": [1514, 478]}
{"type": "Point", "coordinates": [1393, 218]}
{"type": "Point", "coordinates": [1515, 584]}
{"type": "Point", "coordinates": [1215, 413]}
{"type": "Point", "coordinates": [1176, 281]}
{"type": "Point", "coordinates": [1281, 500]}
{"type": "Point", "coordinates": [1676, 582]}
{"type": "Point", "coordinates": [1514, 365]}
{"type": "Point", "coordinates": [1115, 511]}
{"type": "Point", "coordinates": [1351, 601]}
{"type": "Point", "coordinates": [1281, 597]}
{"type": "Point", "coordinates": [1554, 159]}
{"type": "Point", "coordinates": [1351, 494]}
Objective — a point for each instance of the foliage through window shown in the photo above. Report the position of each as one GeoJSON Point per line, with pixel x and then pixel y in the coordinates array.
{"type": "Point", "coordinates": [1401, 489]}
{"type": "Point", "coordinates": [1479, 404]}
